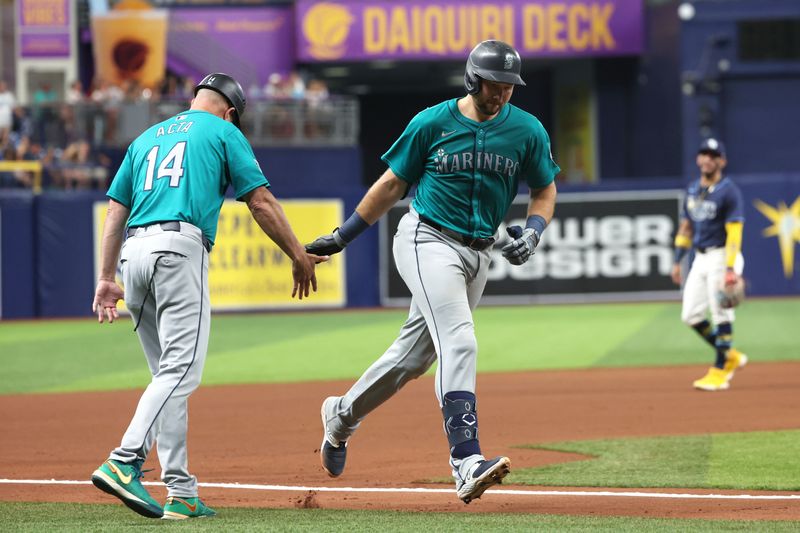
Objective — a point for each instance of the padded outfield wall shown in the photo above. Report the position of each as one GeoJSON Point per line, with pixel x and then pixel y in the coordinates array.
{"type": "Point", "coordinates": [607, 243]}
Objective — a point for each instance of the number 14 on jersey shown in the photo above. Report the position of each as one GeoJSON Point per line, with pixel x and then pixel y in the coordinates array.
{"type": "Point", "coordinates": [170, 167]}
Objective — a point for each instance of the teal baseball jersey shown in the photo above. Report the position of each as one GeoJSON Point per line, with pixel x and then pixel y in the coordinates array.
{"type": "Point", "coordinates": [467, 173]}
{"type": "Point", "coordinates": [180, 169]}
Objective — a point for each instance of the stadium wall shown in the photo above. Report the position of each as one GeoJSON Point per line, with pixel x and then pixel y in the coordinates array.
{"type": "Point", "coordinates": [48, 243]}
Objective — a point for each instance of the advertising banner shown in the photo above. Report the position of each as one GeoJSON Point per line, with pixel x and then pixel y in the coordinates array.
{"type": "Point", "coordinates": [130, 44]}
{"type": "Point", "coordinates": [43, 28]}
{"type": "Point", "coordinates": [247, 271]}
{"type": "Point", "coordinates": [771, 235]}
{"type": "Point", "coordinates": [422, 29]}
{"type": "Point", "coordinates": [247, 43]}
{"type": "Point", "coordinates": [601, 246]}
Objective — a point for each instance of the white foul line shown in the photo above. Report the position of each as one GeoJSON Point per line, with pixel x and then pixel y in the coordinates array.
{"type": "Point", "coordinates": [511, 492]}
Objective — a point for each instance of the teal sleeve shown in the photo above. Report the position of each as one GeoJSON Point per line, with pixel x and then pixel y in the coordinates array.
{"type": "Point", "coordinates": [408, 154]}
{"type": "Point", "coordinates": [244, 172]}
{"type": "Point", "coordinates": [121, 188]}
{"type": "Point", "coordinates": [541, 169]}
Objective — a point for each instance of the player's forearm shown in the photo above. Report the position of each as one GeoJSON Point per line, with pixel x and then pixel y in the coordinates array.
{"type": "Point", "coordinates": [683, 240]}
{"type": "Point", "coordinates": [541, 206]}
{"type": "Point", "coordinates": [116, 217]}
{"type": "Point", "coordinates": [269, 216]}
{"type": "Point", "coordinates": [733, 242]}
{"type": "Point", "coordinates": [381, 196]}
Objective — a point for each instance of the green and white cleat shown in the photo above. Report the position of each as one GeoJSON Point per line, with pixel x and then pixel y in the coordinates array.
{"type": "Point", "coordinates": [122, 480]}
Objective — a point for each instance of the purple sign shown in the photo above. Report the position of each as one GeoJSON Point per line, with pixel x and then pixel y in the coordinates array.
{"type": "Point", "coordinates": [44, 28]}
{"type": "Point", "coordinates": [44, 45]}
{"type": "Point", "coordinates": [422, 29]}
{"type": "Point", "coordinates": [247, 43]}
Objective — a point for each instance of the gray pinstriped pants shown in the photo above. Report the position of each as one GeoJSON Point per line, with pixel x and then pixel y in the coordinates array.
{"type": "Point", "coordinates": [446, 280]}
{"type": "Point", "coordinates": [165, 274]}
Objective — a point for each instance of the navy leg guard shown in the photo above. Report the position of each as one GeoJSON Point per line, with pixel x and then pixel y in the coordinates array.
{"type": "Point", "coordinates": [461, 424]}
{"type": "Point", "coordinates": [723, 343]}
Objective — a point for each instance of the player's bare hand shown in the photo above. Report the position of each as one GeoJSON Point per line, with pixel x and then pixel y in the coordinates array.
{"type": "Point", "coordinates": [106, 296]}
{"type": "Point", "coordinates": [305, 279]}
{"type": "Point", "coordinates": [676, 274]}
{"type": "Point", "coordinates": [731, 278]}
{"type": "Point", "coordinates": [319, 258]}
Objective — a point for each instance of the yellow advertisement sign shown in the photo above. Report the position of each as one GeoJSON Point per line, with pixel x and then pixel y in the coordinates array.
{"type": "Point", "coordinates": [248, 271]}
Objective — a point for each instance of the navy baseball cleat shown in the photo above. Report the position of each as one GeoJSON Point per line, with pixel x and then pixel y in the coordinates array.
{"type": "Point", "coordinates": [482, 475]}
{"type": "Point", "coordinates": [332, 452]}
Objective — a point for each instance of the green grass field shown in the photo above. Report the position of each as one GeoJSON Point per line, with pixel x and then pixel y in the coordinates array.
{"type": "Point", "coordinates": [78, 355]}
{"type": "Point", "coordinates": [113, 518]}
{"type": "Point", "coordinates": [762, 460]}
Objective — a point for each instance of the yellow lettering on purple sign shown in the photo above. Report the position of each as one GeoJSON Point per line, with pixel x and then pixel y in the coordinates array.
{"type": "Point", "coordinates": [559, 27]}
{"type": "Point", "coordinates": [399, 36]}
{"type": "Point", "coordinates": [578, 38]}
{"type": "Point", "coordinates": [601, 33]}
{"type": "Point", "coordinates": [434, 29]}
{"type": "Point", "coordinates": [375, 21]}
{"type": "Point", "coordinates": [44, 13]}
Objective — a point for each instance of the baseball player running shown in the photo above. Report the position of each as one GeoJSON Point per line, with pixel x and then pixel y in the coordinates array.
{"type": "Point", "coordinates": [466, 156]}
{"type": "Point", "coordinates": [169, 190]}
{"type": "Point", "coordinates": [711, 223]}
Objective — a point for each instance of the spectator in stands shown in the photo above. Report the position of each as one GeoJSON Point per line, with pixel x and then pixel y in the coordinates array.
{"type": "Point", "coordinates": [7, 104]}
{"type": "Point", "coordinates": [274, 89]}
{"type": "Point", "coordinates": [82, 167]}
{"type": "Point", "coordinates": [319, 113]}
{"type": "Point", "coordinates": [169, 87]}
{"type": "Point", "coordinates": [279, 121]}
{"type": "Point", "coordinates": [109, 96]}
{"type": "Point", "coordinates": [295, 86]}
{"type": "Point", "coordinates": [254, 92]}
{"type": "Point", "coordinates": [75, 94]}
{"type": "Point", "coordinates": [22, 124]}
{"type": "Point", "coordinates": [14, 178]}
{"type": "Point", "coordinates": [187, 88]}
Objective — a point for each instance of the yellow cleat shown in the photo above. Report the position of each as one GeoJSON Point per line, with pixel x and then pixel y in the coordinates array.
{"type": "Point", "coordinates": [734, 361]}
{"type": "Point", "coordinates": [714, 380]}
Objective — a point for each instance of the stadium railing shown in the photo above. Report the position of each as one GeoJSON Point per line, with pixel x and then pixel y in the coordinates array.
{"type": "Point", "coordinates": [330, 122]}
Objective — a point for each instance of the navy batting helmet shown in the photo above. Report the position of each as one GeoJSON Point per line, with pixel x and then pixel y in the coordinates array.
{"type": "Point", "coordinates": [493, 61]}
{"type": "Point", "coordinates": [227, 87]}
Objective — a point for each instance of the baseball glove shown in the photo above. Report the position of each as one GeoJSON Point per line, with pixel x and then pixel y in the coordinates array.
{"type": "Point", "coordinates": [729, 296]}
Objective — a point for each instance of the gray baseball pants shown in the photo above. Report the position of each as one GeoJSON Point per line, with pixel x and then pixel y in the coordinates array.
{"type": "Point", "coordinates": [446, 280]}
{"type": "Point", "coordinates": [165, 275]}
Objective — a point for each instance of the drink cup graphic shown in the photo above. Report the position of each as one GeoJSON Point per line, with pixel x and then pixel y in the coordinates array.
{"type": "Point", "coordinates": [131, 44]}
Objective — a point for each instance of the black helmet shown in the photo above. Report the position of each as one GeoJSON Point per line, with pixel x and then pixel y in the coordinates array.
{"type": "Point", "coordinates": [227, 87]}
{"type": "Point", "coordinates": [493, 61]}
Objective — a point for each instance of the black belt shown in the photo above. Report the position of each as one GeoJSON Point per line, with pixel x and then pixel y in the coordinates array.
{"type": "Point", "coordinates": [172, 225]}
{"type": "Point", "coordinates": [704, 249]}
{"type": "Point", "coordinates": [476, 243]}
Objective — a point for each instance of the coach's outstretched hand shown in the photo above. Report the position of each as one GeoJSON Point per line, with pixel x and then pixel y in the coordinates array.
{"type": "Point", "coordinates": [327, 244]}
{"type": "Point", "coordinates": [522, 247]}
{"type": "Point", "coordinates": [106, 296]}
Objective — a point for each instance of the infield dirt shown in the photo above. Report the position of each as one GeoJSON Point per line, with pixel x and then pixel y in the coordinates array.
{"type": "Point", "coordinates": [270, 434]}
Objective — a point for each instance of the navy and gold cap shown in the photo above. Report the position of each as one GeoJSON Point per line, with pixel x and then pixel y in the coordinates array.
{"type": "Point", "coordinates": [712, 146]}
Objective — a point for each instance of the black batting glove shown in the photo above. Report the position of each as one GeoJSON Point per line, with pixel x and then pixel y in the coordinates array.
{"type": "Point", "coordinates": [327, 244]}
{"type": "Point", "coordinates": [523, 245]}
